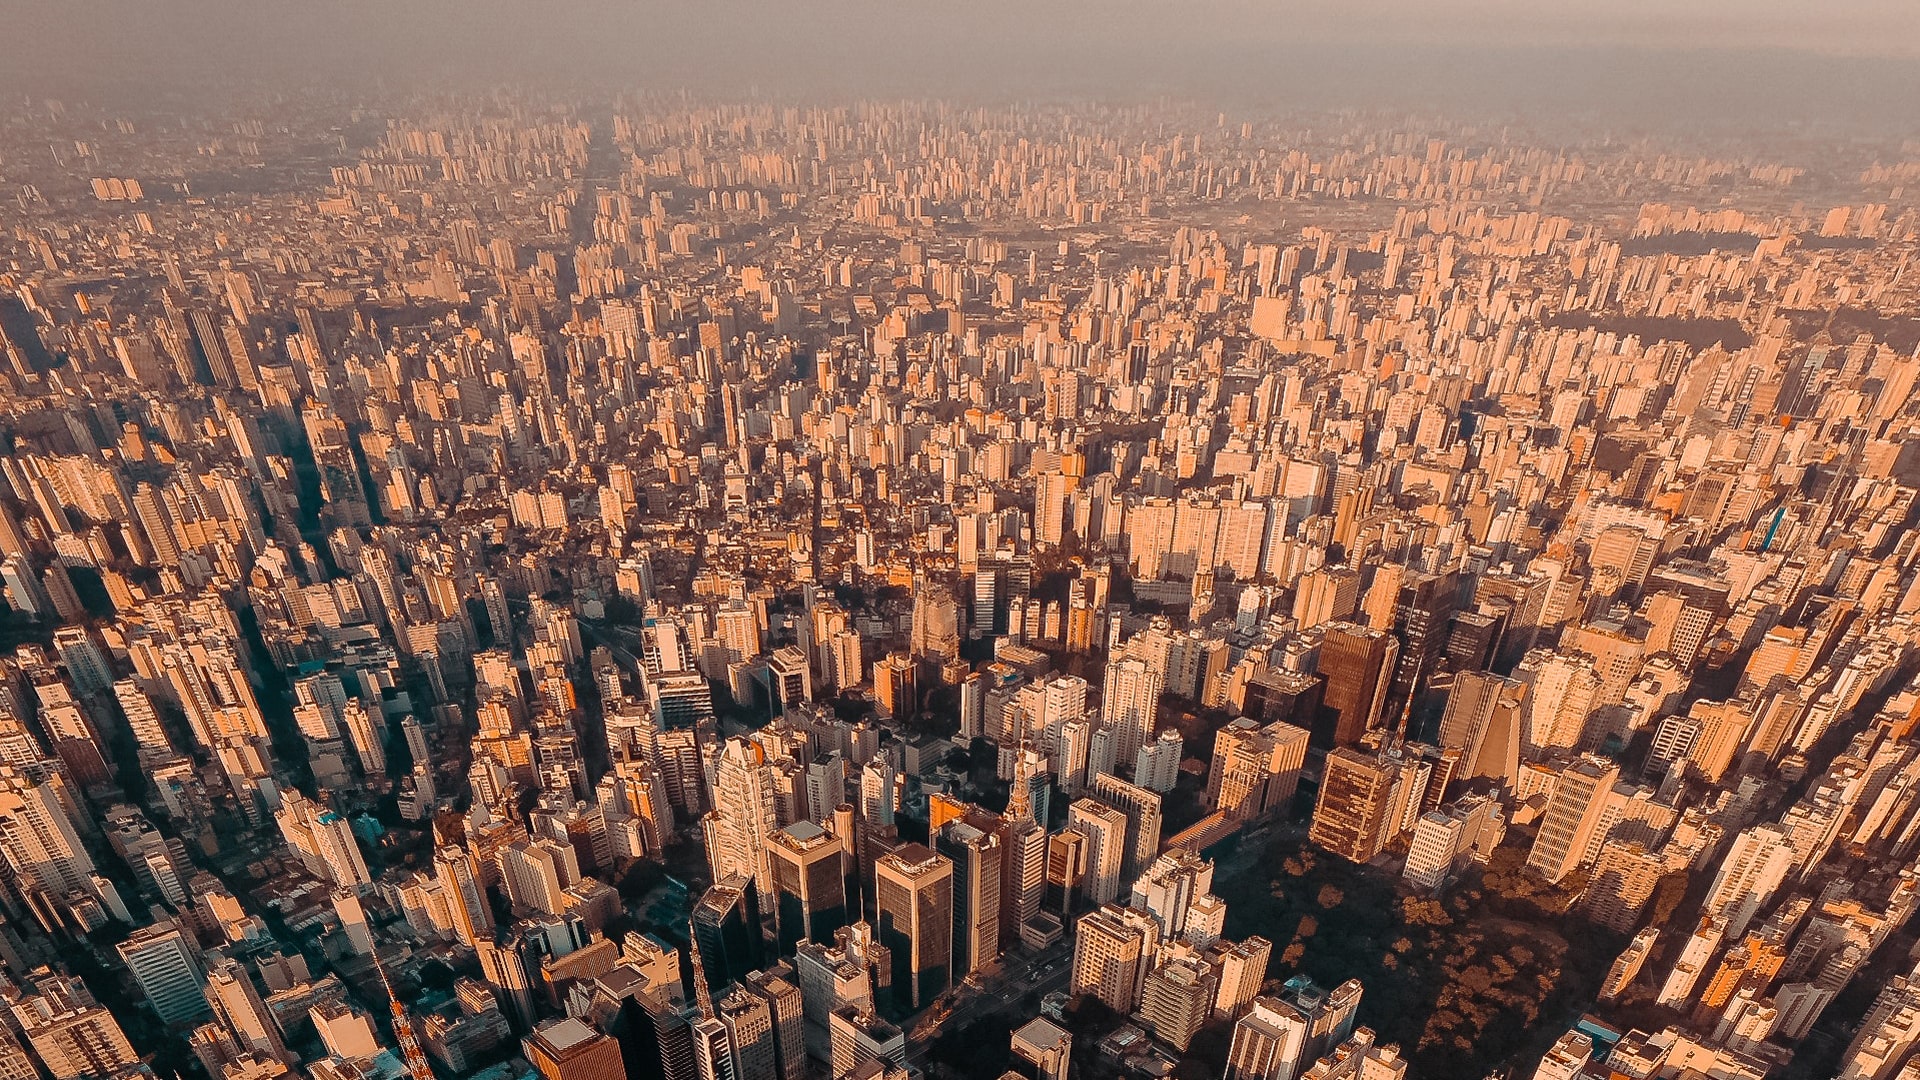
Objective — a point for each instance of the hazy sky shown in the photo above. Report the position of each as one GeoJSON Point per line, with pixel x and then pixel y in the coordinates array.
{"type": "Point", "coordinates": [1745, 62]}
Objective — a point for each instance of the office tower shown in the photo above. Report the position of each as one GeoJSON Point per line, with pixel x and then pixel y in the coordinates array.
{"type": "Point", "coordinates": [1129, 705]}
{"type": "Point", "coordinates": [1024, 855]}
{"type": "Point", "coordinates": [809, 884]}
{"type": "Point", "coordinates": [1573, 813]}
{"type": "Point", "coordinates": [1756, 864]}
{"type": "Point", "coordinates": [1358, 662]}
{"type": "Point", "coordinates": [1142, 810]}
{"type": "Point", "coordinates": [506, 971]}
{"type": "Point", "coordinates": [73, 1035]}
{"type": "Point", "coordinates": [1482, 720]}
{"type": "Point", "coordinates": [1423, 606]}
{"type": "Point", "coordinates": [726, 929]}
{"type": "Point", "coordinates": [656, 1037]}
{"type": "Point", "coordinates": [785, 1010]}
{"type": "Point", "coordinates": [751, 1042]}
{"type": "Point", "coordinates": [743, 812]}
{"type": "Point", "coordinates": [1177, 997]}
{"type": "Point", "coordinates": [570, 1049]}
{"type": "Point", "coordinates": [1066, 869]}
{"type": "Point", "coordinates": [465, 893]}
{"type": "Point", "coordinates": [1044, 1049]}
{"type": "Point", "coordinates": [1254, 770]}
{"type": "Point", "coordinates": [1112, 949]}
{"type": "Point", "coordinates": [165, 966]}
{"type": "Point", "coordinates": [1269, 1043]}
{"type": "Point", "coordinates": [978, 875]}
{"type": "Point", "coordinates": [1106, 831]}
{"type": "Point", "coordinates": [240, 1009]}
{"type": "Point", "coordinates": [896, 686]}
{"type": "Point", "coordinates": [913, 893]}
{"type": "Point", "coordinates": [1353, 817]}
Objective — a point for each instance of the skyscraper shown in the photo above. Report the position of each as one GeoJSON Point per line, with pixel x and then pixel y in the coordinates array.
{"type": "Point", "coordinates": [809, 884]}
{"type": "Point", "coordinates": [913, 891]}
{"type": "Point", "coordinates": [1106, 831]}
{"type": "Point", "coordinates": [1142, 810]}
{"type": "Point", "coordinates": [978, 875]}
{"type": "Point", "coordinates": [1112, 949]}
{"type": "Point", "coordinates": [1358, 663]}
{"type": "Point", "coordinates": [1573, 813]}
{"type": "Point", "coordinates": [1130, 703]}
{"type": "Point", "coordinates": [1352, 817]}
{"type": "Point", "coordinates": [570, 1049]}
{"type": "Point", "coordinates": [743, 812]}
{"type": "Point", "coordinates": [1482, 720]}
{"type": "Point", "coordinates": [164, 964]}
{"type": "Point", "coordinates": [726, 929]}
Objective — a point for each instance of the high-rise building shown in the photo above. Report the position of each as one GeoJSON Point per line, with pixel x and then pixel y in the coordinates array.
{"type": "Point", "coordinates": [1044, 1047]}
{"type": "Point", "coordinates": [1269, 1043]}
{"type": "Point", "coordinates": [726, 930]}
{"type": "Point", "coordinates": [978, 876]}
{"type": "Point", "coordinates": [913, 893]}
{"type": "Point", "coordinates": [1130, 703]}
{"type": "Point", "coordinates": [1623, 882]}
{"type": "Point", "coordinates": [1142, 810]}
{"type": "Point", "coordinates": [74, 1036]}
{"type": "Point", "coordinates": [1353, 817]}
{"type": "Point", "coordinates": [240, 1009]}
{"type": "Point", "coordinates": [1567, 828]}
{"type": "Point", "coordinates": [752, 1047]}
{"type": "Point", "coordinates": [164, 964]}
{"type": "Point", "coordinates": [570, 1049]}
{"type": "Point", "coordinates": [1106, 831]}
{"type": "Point", "coordinates": [1482, 720]}
{"type": "Point", "coordinates": [1242, 967]}
{"type": "Point", "coordinates": [744, 812]}
{"type": "Point", "coordinates": [1757, 863]}
{"type": "Point", "coordinates": [778, 988]}
{"type": "Point", "coordinates": [1112, 950]}
{"type": "Point", "coordinates": [1169, 887]}
{"type": "Point", "coordinates": [1177, 997]}
{"type": "Point", "coordinates": [1157, 766]}
{"type": "Point", "coordinates": [1358, 662]}
{"type": "Point", "coordinates": [809, 884]}
{"type": "Point", "coordinates": [1255, 770]}
{"type": "Point", "coordinates": [466, 894]}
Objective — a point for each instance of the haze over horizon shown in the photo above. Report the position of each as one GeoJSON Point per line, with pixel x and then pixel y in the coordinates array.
{"type": "Point", "coordinates": [1723, 65]}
